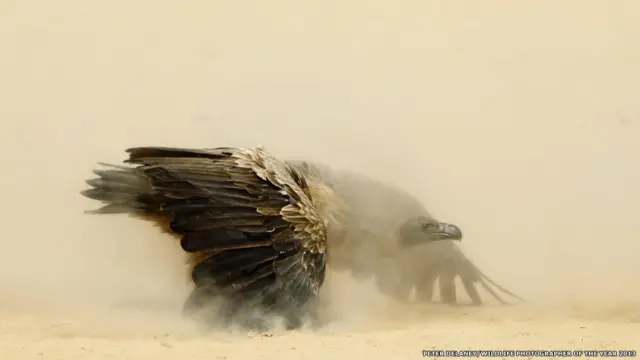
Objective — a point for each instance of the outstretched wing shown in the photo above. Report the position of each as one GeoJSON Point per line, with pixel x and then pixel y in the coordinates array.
{"type": "Point", "coordinates": [249, 220]}
{"type": "Point", "coordinates": [445, 261]}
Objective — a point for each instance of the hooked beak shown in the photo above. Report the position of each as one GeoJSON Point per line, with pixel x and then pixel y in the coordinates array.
{"type": "Point", "coordinates": [430, 232]}
{"type": "Point", "coordinates": [444, 231]}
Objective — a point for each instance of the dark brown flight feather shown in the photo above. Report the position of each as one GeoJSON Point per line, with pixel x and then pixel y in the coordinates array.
{"type": "Point", "coordinates": [251, 223]}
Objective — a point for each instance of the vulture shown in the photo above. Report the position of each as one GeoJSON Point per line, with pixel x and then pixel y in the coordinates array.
{"type": "Point", "coordinates": [374, 240]}
{"type": "Point", "coordinates": [260, 232]}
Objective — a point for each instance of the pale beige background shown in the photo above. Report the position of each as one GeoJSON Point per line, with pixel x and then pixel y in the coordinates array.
{"type": "Point", "coordinates": [518, 120]}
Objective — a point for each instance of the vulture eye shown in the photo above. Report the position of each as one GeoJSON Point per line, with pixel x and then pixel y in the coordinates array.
{"type": "Point", "coordinates": [428, 226]}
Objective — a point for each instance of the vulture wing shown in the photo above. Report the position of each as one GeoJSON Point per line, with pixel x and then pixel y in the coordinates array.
{"type": "Point", "coordinates": [252, 224]}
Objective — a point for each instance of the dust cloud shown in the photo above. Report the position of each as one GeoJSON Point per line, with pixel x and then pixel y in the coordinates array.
{"type": "Point", "coordinates": [518, 121]}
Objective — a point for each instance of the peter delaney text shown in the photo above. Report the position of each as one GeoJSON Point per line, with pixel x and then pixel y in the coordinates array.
{"type": "Point", "coordinates": [528, 353]}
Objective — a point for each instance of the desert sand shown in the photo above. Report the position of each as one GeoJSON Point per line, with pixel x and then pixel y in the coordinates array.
{"type": "Point", "coordinates": [517, 120]}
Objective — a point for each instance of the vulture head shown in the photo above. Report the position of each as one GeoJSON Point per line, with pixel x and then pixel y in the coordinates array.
{"type": "Point", "coordinates": [422, 229]}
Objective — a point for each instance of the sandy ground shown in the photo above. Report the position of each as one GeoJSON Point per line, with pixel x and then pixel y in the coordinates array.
{"type": "Point", "coordinates": [519, 121]}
